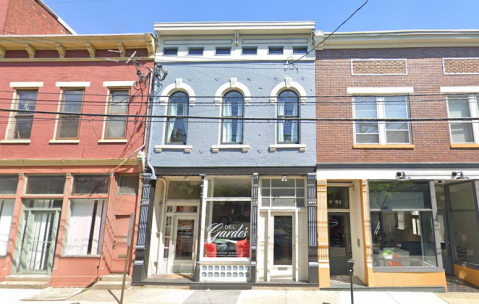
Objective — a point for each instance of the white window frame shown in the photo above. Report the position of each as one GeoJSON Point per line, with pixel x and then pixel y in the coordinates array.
{"type": "Point", "coordinates": [80, 86]}
{"type": "Point", "coordinates": [474, 112]}
{"type": "Point", "coordinates": [381, 114]}
{"type": "Point", "coordinates": [12, 119]}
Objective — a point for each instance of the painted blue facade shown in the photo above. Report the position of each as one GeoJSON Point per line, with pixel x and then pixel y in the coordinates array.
{"type": "Point", "coordinates": [260, 78]}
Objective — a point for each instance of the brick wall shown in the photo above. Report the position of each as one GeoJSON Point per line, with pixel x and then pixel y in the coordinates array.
{"type": "Point", "coordinates": [425, 73]}
{"type": "Point", "coordinates": [28, 17]}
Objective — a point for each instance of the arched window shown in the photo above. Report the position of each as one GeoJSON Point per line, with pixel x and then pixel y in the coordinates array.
{"type": "Point", "coordinates": [288, 107]}
{"type": "Point", "coordinates": [177, 127]}
{"type": "Point", "coordinates": [232, 125]}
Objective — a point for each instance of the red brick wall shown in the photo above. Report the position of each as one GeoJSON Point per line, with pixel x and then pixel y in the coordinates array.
{"type": "Point", "coordinates": [28, 17]}
{"type": "Point", "coordinates": [95, 99]}
{"type": "Point", "coordinates": [431, 140]}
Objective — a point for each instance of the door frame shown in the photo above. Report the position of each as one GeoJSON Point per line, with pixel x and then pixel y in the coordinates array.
{"type": "Point", "coordinates": [271, 269]}
{"type": "Point", "coordinates": [172, 251]}
{"type": "Point", "coordinates": [28, 225]}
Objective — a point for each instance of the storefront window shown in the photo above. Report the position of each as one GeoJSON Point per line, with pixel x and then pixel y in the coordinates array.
{"type": "Point", "coordinates": [229, 187]}
{"type": "Point", "coordinates": [227, 231]}
{"type": "Point", "coordinates": [184, 190]}
{"type": "Point", "coordinates": [401, 224]}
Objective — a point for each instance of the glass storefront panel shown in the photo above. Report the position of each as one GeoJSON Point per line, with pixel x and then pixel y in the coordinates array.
{"type": "Point", "coordinates": [399, 195]}
{"type": "Point", "coordinates": [227, 231]}
{"type": "Point", "coordinates": [283, 192]}
{"type": "Point", "coordinates": [184, 190]}
{"type": "Point", "coordinates": [229, 187]}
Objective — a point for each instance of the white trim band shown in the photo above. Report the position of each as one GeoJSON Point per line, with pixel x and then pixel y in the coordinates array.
{"type": "Point", "coordinates": [380, 90]}
{"type": "Point", "coordinates": [119, 83]}
{"type": "Point", "coordinates": [26, 84]}
{"type": "Point", "coordinates": [72, 84]}
{"type": "Point", "coordinates": [459, 89]}
{"type": "Point", "coordinates": [160, 148]}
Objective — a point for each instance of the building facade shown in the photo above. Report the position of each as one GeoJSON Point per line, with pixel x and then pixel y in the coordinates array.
{"type": "Point", "coordinates": [232, 196]}
{"type": "Point", "coordinates": [397, 169]}
{"type": "Point", "coordinates": [70, 154]}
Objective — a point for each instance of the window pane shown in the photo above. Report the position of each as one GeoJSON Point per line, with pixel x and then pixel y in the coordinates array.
{"type": "Point", "coordinates": [195, 51]}
{"type": "Point", "coordinates": [23, 121]}
{"type": "Point", "coordinates": [402, 195]}
{"type": "Point", "coordinates": [367, 138]}
{"type": "Point", "coordinates": [116, 126]}
{"type": "Point", "coordinates": [458, 107]}
{"type": "Point", "coordinates": [232, 131]}
{"type": "Point", "coordinates": [170, 51]}
{"type": "Point", "coordinates": [365, 107]}
{"type": "Point", "coordinates": [397, 137]}
{"type": "Point", "coordinates": [462, 197]}
{"type": "Point", "coordinates": [8, 184]}
{"type": "Point", "coordinates": [288, 131]}
{"type": "Point", "coordinates": [466, 235]}
{"type": "Point", "coordinates": [461, 132]}
{"type": "Point", "coordinates": [68, 125]}
{"type": "Point", "coordinates": [44, 184]}
{"type": "Point", "coordinates": [6, 214]}
{"type": "Point", "coordinates": [250, 50]}
{"type": "Point", "coordinates": [90, 184]}
{"type": "Point", "coordinates": [396, 107]}
{"type": "Point", "coordinates": [85, 227]}
{"type": "Point", "coordinates": [184, 190]}
{"type": "Point", "coordinates": [276, 50]}
{"type": "Point", "coordinates": [72, 101]}
{"type": "Point", "coordinates": [176, 128]}
{"type": "Point", "coordinates": [403, 238]}
{"type": "Point", "coordinates": [128, 184]}
{"type": "Point", "coordinates": [300, 49]}
{"type": "Point", "coordinates": [227, 229]}
{"type": "Point", "coordinates": [282, 192]}
{"type": "Point", "coordinates": [230, 187]}
{"type": "Point", "coordinates": [223, 51]}
{"type": "Point", "coordinates": [338, 197]}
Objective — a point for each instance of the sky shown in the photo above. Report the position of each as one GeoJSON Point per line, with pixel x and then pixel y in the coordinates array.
{"type": "Point", "coordinates": [138, 16]}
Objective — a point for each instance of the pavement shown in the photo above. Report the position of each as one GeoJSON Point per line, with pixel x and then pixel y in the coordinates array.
{"type": "Point", "coordinates": [147, 295]}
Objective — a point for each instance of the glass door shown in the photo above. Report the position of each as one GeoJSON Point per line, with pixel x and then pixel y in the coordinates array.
{"type": "Point", "coordinates": [184, 239]}
{"type": "Point", "coordinates": [38, 241]}
{"type": "Point", "coordinates": [339, 242]}
{"type": "Point", "coordinates": [281, 246]}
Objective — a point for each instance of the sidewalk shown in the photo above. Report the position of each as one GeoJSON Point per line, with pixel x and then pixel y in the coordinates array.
{"type": "Point", "coordinates": [147, 295]}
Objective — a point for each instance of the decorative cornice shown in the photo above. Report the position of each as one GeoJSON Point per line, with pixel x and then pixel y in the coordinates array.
{"type": "Point", "coordinates": [66, 162]}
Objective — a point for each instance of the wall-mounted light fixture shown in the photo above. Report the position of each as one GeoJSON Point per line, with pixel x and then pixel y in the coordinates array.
{"type": "Point", "coordinates": [284, 179]}
{"type": "Point", "coordinates": [458, 175]}
{"type": "Point", "coordinates": [401, 175]}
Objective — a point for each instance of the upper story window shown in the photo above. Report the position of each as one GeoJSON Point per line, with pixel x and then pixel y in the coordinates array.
{"type": "Point", "coordinates": [170, 51]}
{"type": "Point", "coordinates": [300, 50]}
{"type": "Point", "coordinates": [380, 132]}
{"type": "Point", "coordinates": [463, 106]}
{"type": "Point", "coordinates": [116, 126]}
{"type": "Point", "coordinates": [176, 126]}
{"type": "Point", "coordinates": [21, 123]}
{"type": "Point", "coordinates": [288, 107]}
{"type": "Point", "coordinates": [233, 107]}
{"type": "Point", "coordinates": [223, 51]}
{"type": "Point", "coordinates": [195, 51]}
{"type": "Point", "coordinates": [250, 50]}
{"type": "Point", "coordinates": [69, 124]}
{"type": "Point", "coordinates": [276, 50]}
{"type": "Point", "coordinates": [45, 184]}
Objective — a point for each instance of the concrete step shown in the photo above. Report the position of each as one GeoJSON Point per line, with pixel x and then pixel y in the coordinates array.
{"type": "Point", "coordinates": [111, 282]}
{"type": "Point", "coordinates": [24, 284]}
{"type": "Point", "coordinates": [114, 278]}
{"type": "Point", "coordinates": [26, 278]}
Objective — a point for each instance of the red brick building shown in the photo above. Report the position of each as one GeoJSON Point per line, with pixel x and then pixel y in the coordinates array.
{"type": "Point", "coordinates": [398, 155]}
{"type": "Point", "coordinates": [69, 170]}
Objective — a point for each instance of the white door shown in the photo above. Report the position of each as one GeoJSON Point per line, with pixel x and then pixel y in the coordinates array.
{"type": "Point", "coordinates": [184, 243]}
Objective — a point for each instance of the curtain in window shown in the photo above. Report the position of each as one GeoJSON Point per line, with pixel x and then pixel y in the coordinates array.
{"type": "Point", "coordinates": [233, 107]}
{"type": "Point", "coordinates": [6, 213]}
{"type": "Point", "coordinates": [177, 127]}
{"type": "Point", "coordinates": [85, 227]}
{"type": "Point", "coordinates": [281, 122]}
{"type": "Point", "coordinates": [288, 107]}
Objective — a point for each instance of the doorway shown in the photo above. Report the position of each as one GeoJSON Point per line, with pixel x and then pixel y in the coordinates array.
{"type": "Point", "coordinates": [184, 242]}
{"type": "Point", "coordinates": [38, 241]}
{"type": "Point", "coordinates": [282, 248]}
{"type": "Point", "coordinates": [340, 249]}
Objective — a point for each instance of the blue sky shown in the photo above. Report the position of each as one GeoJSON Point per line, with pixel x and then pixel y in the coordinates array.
{"type": "Point", "coordinates": [138, 16]}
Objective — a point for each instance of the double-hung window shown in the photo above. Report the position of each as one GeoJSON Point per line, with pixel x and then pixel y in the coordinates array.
{"type": "Point", "coordinates": [118, 105]}
{"type": "Point", "coordinates": [288, 114]}
{"type": "Point", "coordinates": [21, 124]}
{"type": "Point", "coordinates": [464, 106]}
{"type": "Point", "coordinates": [377, 131]}
{"type": "Point", "coordinates": [69, 124]}
{"type": "Point", "coordinates": [177, 122]}
{"type": "Point", "coordinates": [233, 106]}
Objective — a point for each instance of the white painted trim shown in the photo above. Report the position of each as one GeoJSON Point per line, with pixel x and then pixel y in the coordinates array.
{"type": "Point", "coordinates": [178, 85]}
{"type": "Point", "coordinates": [378, 59]}
{"type": "Point", "coordinates": [459, 89]}
{"type": "Point", "coordinates": [72, 84]}
{"type": "Point", "coordinates": [15, 141]}
{"type": "Point", "coordinates": [288, 84]}
{"type": "Point", "coordinates": [390, 174]}
{"type": "Point", "coordinates": [216, 148]}
{"type": "Point", "coordinates": [380, 90]}
{"type": "Point", "coordinates": [301, 147]}
{"type": "Point", "coordinates": [38, 84]}
{"type": "Point", "coordinates": [233, 84]}
{"type": "Point", "coordinates": [105, 141]}
{"type": "Point", "coordinates": [457, 58]}
{"type": "Point", "coordinates": [160, 148]}
{"type": "Point", "coordinates": [119, 83]}
{"type": "Point", "coordinates": [64, 141]}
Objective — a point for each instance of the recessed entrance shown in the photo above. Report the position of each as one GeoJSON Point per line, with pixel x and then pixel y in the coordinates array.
{"type": "Point", "coordinates": [184, 240]}
{"type": "Point", "coordinates": [282, 248]}
{"type": "Point", "coordinates": [339, 242]}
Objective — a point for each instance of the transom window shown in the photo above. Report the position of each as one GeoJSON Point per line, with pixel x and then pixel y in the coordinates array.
{"type": "Point", "coordinates": [116, 126]}
{"type": "Point", "coordinates": [250, 50]}
{"type": "Point", "coordinates": [69, 124]}
{"type": "Point", "coordinates": [275, 50]}
{"type": "Point", "coordinates": [288, 107]}
{"type": "Point", "coordinates": [380, 132]}
{"type": "Point", "coordinates": [464, 106]}
{"type": "Point", "coordinates": [283, 192]}
{"type": "Point", "coordinates": [176, 125]}
{"type": "Point", "coordinates": [21, 124]}
{"type": "Point", "coordinates": [233, 107]}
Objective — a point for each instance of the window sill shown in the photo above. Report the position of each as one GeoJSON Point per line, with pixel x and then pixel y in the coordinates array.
{"type": "Point", "coordinates": [217, 148]}
{"type": "Point", "coordinates": [378, 146]}
{"type": "Point", "coordinates": [107, 141]}
{"type": "Point", "coordinates": [407, 269]}
{"type": "Point", "coordinates": [273, 148]}
{"type": "Point", "coordinates": [160, 148]}
{"type": "Point", "coordinates": [64, 141]}
{"type": "Point", "coordinates": [464, 146]}
{"type": "Point", "coordinates": [16, 141]}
